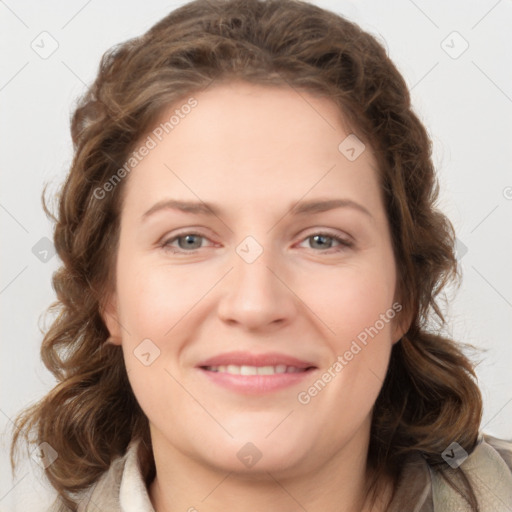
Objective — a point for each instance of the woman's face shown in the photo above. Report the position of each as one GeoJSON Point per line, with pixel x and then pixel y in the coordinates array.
{"type": "Point", "coordinates": [212, 308]}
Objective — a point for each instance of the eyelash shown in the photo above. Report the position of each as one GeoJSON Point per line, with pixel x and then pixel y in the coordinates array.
{"type": "Point", "coordinates": [344, 243]}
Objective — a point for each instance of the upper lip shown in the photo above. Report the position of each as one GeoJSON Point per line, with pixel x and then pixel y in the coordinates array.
{"type": "Point", "coordinates": [248, 359]}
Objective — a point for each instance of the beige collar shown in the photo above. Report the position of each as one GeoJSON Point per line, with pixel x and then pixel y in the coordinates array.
{"type": "Point", "coordinates": [420, 489]}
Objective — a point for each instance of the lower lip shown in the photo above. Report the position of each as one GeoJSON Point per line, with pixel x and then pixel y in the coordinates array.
{"type": "Point", "coordinates": [256, 384]}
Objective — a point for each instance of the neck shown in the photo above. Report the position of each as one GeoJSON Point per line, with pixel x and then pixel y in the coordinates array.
{"type": "Point", "coordinates": [339, 484]}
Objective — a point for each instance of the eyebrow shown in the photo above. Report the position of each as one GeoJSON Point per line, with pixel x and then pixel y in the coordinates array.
{"type": "Point", "coordinates": [301, 208]}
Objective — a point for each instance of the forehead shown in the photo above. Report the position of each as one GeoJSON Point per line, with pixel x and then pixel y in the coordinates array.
{"type": "Point", "coordinates": [243, 116]}
{"type": "Point", "coordinates": [246, 142]}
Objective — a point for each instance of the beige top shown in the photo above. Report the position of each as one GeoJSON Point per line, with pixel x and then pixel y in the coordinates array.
{"type": "Point", "coordinates": [420, 489]}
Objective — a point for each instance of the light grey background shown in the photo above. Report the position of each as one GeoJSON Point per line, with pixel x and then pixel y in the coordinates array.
{"type": "Point", "coordinates": [464, 100]}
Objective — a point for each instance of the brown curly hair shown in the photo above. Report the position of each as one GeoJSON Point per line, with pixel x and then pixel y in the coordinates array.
{"type": "Point", "coordinates": [429, 398]}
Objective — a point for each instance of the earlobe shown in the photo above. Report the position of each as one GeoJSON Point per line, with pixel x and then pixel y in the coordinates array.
{"type": "Point", "coordinates": [109, 316]}
{"type": "Point", "coordinates": [401, 325]}
{"type": "Point", "coordinates": [398, 331]}
{"type": "Point", "coordinates": [396, 339]}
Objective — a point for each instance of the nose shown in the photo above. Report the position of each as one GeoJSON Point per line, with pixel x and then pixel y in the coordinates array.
{"type": "Point", "coordinates": [256, 294]}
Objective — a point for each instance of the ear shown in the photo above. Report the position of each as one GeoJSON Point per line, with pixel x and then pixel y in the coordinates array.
{"type": "Point", "coordinates": [401, 322]}
{"type": "Point", "coordinates": [109, 314]}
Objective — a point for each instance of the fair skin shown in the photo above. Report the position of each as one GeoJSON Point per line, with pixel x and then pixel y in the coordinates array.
{"type": "Point", "coordinates": [255, 151]}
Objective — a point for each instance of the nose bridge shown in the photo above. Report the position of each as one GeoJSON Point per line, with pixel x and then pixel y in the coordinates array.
{"type": "Point", "coordinates": [253, 261]}
{"type": "Point", "coordinates": [255, 250]}
{"type": "Point", "coordinates": [254, 295]}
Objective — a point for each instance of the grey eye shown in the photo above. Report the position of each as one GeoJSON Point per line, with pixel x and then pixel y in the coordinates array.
{"type": "Point", "coordinates": [189, 242]}
{"type": "Point", "coordinates": [321, 240]}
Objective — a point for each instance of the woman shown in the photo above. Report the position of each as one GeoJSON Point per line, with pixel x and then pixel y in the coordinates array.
{"type": "Point", "coordinates": [251, 258]}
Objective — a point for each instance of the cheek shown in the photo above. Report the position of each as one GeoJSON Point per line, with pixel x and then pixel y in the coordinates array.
{"type": "Point", "coordinates": [355, 306]}
{"type": "Point", "coordinates": [357, 313]}
{"type": "Point", "coordinates": [152, 310]}
{"type": "Point", "coordinates": [351, 299]}
{"type": "Point", "coordinates": [153, 299]}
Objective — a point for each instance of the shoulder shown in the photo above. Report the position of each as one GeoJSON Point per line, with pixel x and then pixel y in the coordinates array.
{"type": "Point", "coordinates": [489, 470]}
{"type": "Point", "coordinates": [488, 467]}
{"type": "Point", "coordinates": [120, 489]}
{"type": "Point", "coordinates": [502, 446]}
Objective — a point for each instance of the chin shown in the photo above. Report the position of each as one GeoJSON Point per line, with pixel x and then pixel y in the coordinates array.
{"type": "Point", "coordinates": [253, 456]}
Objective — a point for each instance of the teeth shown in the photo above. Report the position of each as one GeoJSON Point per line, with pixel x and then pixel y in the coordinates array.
{"type": "Point", "coordinates": [248, 370]}
{"type": "Point", "coordinates": [233, 369]}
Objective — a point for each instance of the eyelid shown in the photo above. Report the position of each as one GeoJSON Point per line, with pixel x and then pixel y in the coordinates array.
{"type": "Point", "coordinates": [165, 241]}
{"type": "Point", "coordinates": [344, 242]}
{"type": "Point", "coordinates": [329, 232]}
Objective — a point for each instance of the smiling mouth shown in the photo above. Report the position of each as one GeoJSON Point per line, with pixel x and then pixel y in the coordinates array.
{"type": "Point", "coordinates": [256, 380]}
{"type": "Point", "coordinates": [246, 370]}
